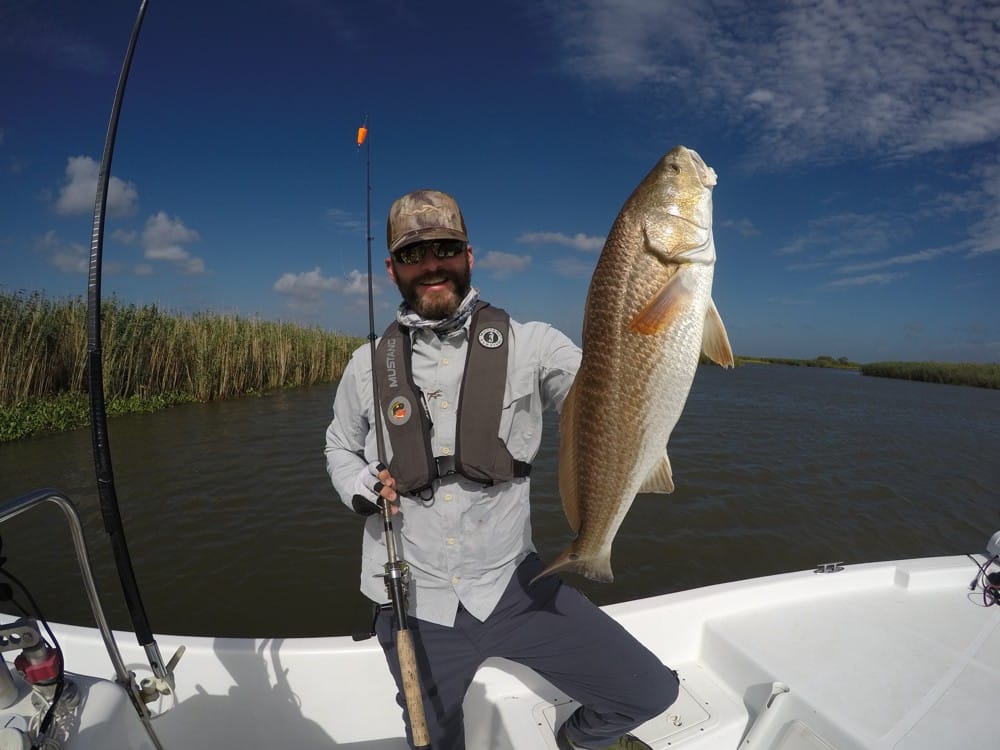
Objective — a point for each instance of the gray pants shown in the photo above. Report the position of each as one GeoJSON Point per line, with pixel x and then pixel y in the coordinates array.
{"type": "Point", "coordinates": [556, 631]}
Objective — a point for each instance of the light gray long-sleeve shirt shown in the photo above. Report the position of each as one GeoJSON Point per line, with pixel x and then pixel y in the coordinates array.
{"type": "Point", "coordinates": [465, 544]}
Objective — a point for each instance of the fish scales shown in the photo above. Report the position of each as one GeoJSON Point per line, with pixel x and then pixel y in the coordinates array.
{"type": "Point", "coordinates": [649, 314]}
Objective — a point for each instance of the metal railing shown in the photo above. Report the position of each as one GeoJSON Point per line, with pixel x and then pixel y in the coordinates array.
{"type": "Point", "coordinates": [125, 678]}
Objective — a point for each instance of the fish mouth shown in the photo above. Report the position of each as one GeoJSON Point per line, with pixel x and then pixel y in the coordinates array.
{"type": "Point", "coordinates": [706, 175]}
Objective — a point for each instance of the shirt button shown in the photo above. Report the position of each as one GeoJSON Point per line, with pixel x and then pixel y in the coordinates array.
{"type": "Point", "coordinates": [446, 451]}
{"type": "Point", "coordinates": [444, 404]}
{"type": "Point", "coordinates": [451, 540]}
{"type": "Point", "coordinates": [448, 497]}
{"type": "Point", "coordinates": [455, 579]}
{"type": "Point", "coordinates": [444, 361]}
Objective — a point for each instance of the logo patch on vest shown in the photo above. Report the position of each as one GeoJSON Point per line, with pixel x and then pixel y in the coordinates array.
{"type": "Point", "coordinates": [491, 338]}
{"type": "Point", "coordinates": [400, 410]}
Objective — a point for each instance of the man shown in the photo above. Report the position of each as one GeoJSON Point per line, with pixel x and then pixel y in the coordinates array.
{"type": "Point", "coordinates": [462, 390]}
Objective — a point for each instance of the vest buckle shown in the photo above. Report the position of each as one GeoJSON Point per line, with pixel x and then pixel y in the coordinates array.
{"type": "Point", "coordinates": [445, 465]}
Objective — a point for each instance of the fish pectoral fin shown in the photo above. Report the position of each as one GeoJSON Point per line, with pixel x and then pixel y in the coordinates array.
{"type": "Point", "coordinates": [663, 307]}
{"type": "Point", "coordinates": [661, 478]}
{"type": "Point", "coordinates": [715, 342]}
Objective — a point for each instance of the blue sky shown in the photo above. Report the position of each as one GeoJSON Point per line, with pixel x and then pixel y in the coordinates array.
{"type": "Point", "coordinates": [857, 145]}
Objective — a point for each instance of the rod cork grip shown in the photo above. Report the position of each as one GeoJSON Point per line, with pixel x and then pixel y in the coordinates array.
{"type": "Point", "coordinates": [411, 690]}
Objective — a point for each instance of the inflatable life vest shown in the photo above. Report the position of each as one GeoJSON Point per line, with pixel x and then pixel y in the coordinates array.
{"type": "Point", "coordinates": [480, 455]}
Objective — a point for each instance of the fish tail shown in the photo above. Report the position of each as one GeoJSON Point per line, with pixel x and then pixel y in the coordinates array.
{"type": "Point", "coordinates": [594, 567]}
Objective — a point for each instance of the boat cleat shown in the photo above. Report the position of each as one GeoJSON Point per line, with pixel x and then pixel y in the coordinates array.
{"type": "Point", "coordinates": [151, 688]}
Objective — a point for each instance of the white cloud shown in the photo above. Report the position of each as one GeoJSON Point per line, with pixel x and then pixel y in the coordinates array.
{"type": "Point", "coordinates": [125, 236]}
{"type": "Point", "coordinates": [573, 267]}
{"type": "Point", "coordinates": [813, 265]}
{"type": "Point", "coordinates": [872, 278]}
{"type": "Point", "coordinates": [70, 257]}
{"type": "Point", "coordinates": [848, 234]}
{"type": "Point", "coordinates": [578, 241]}
{"type": "Point", "coordinates": [308, 287]}
{"type": "Point", "coordinates": [820, 82]}
{"type": "Point", "coordinates": [345, 220]}
{"type": "Point", "coordinates": [760, 97]}
{"type": "Point", "coordinates": [895, 78]}
{"type": "Point", "coordinates": [162, 239]}
{"type": "Point", "coordinates": [619, 41]}
{"type": "Point", "coordinates": [79, 193]}
{"type": "Point", "coordinates": [796, 245]}
{"type": "Point", "coordinates": [502, 264]}
{"type": "Point", "coordinates": [975, 122]}
{"type": "Point", "coordinates": [984, 235]}
{"type": "Point", "coordinates": [744, 227]}
{"type": "Point", "coordinates": [920, 256]}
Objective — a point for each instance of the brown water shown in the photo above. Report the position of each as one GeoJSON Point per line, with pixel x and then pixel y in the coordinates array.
{"type": "Point", "coordinates": [235, 530]}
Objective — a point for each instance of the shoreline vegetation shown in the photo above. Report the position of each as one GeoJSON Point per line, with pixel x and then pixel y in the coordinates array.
{"type": "Point", "coordinates": [949, 373]}
{"type": "Point", "coordinates": [823, 361]}
{"type": "Point", "coordinates": [152, 359]}
{"type": "Point", "coordinates": [155, 359]}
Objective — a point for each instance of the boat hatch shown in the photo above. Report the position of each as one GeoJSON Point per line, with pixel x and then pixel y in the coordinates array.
{"type": "Point", "coordinates": [702, 716]}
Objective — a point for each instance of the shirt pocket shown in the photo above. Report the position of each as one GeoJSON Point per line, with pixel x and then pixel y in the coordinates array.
{"type": "Point", "coordinates": [520, 419]}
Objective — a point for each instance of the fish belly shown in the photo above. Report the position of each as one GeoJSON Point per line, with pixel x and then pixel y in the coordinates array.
{"type": "Point", "coordinates": [628, 396]}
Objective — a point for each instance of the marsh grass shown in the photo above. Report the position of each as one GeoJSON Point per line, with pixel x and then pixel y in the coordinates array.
{"type": "Point", "coordinates": [151, 359]}
{"type": "Point", "coordinates": [953, 373]}
{"type": "Point", "coordinates": [843, 363]}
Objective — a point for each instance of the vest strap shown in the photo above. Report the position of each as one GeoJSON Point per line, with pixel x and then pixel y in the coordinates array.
{"type": "Point", "coordinates": [480, 454]}
{"type": "Point", "coordinates": [446, 467]}
{"type": "Point", "coordinates": [403, 413]}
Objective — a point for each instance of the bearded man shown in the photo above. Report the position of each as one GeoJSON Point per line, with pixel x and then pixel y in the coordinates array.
{"type": "Point", "coordinates": [462, 390]}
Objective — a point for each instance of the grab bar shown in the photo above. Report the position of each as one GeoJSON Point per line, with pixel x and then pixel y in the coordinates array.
{"type": "Point", "coordinates": [19, 505]}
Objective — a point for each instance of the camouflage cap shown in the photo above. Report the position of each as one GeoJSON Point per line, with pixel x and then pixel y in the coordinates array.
{"type": "Point", "coordinates": [424, 215]}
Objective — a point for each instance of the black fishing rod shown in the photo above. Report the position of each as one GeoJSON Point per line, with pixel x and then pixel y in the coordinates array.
{"type": "Point", "coordinates": [397, 572]}
{"type": "Point", "coordinates": [95, 376]}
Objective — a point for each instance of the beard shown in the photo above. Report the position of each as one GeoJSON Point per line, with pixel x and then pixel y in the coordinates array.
{"type": "Point", "coordinates": [437, 304]}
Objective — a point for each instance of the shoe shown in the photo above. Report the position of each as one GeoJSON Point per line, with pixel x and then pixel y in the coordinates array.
{"type": "Point", "coordinates": [625, 742]}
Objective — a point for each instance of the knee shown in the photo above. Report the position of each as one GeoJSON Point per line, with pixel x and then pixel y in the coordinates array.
{"type": "Point", "coordinates": [662, 688]}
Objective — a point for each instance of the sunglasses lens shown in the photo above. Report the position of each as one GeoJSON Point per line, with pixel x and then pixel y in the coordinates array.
{"type": "Point", "coordinates": [414, 253]}
{"type": "Point", "coordinates": [410, 254]}
{"type": "Point", "coordinates": [447, 249]}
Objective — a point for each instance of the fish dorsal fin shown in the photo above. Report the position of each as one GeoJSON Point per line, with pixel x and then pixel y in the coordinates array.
{"type": "Point", "coordinates": [663, 307]}
{"type": "Point", "coordinates": [715, 342]}
{"type": "Point", "coordinates": [661, 478]}
{"type": "Point", "coordinates": [567, 462]}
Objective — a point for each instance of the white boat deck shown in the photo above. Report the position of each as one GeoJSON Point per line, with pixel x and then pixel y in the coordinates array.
{"type": "Point", "coordinates": [891, 655]}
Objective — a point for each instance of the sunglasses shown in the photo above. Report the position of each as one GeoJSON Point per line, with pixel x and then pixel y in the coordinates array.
{"type": "Point", "coordinates": [412, 254]}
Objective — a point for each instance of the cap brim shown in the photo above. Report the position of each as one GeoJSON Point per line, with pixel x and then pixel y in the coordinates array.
{"type": "Point", "coordinates": [428, 233]}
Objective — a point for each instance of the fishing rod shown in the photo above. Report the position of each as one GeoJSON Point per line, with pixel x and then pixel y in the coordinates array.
{"type": "Point", "coordinates": [95, 377]}
{"type": "Point", "coordinates": [397, 572]}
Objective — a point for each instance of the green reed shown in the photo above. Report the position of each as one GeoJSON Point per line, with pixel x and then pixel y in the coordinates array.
{"type": "Point", "coordinates": [842, 363]}
{"type": "Point", "coordinates": [150, 357]}
{"type": "Point", "coordinates": [954, 373]}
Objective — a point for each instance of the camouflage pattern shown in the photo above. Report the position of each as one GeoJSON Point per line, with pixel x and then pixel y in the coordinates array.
{"type": "Point", "coordinates": [424, 215]}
